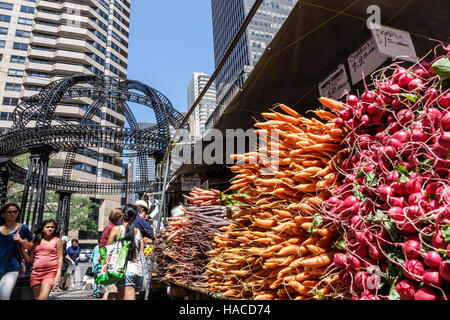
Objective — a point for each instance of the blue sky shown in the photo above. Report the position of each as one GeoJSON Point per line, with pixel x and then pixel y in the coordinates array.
{"type": "Point", "coordinates": [169, 41]}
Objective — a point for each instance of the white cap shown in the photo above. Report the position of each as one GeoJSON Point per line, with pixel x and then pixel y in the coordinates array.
{"type": "Point", "coordinates": [65, 238]}
{"type": "Point", "coordinates": [142, 203]}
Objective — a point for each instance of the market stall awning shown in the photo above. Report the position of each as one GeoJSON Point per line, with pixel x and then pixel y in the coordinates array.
{"type": "Point", "coordinates": [317, 37]}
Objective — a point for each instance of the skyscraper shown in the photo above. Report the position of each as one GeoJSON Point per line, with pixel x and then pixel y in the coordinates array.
{"type": "Point", "coordinates": [42, 41]}
{"type": "Point", "coordinates": [134, 170]}
{"type": "Point", "coordinates": [206, 106]}
{"type": "Point", "coordinates": [227, 17]}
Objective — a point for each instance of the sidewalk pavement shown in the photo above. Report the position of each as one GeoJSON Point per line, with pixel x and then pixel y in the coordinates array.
{"type": "Point", "coordinates": [73, 294]}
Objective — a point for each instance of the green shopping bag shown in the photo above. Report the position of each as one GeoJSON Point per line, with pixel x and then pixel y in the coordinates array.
{"type": "Point", "coordinates": [114, 262]}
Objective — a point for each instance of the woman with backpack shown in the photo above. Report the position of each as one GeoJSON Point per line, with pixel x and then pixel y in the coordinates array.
{"type": "Point", "coordinates": [15, 239]}
{"type": "Point", "coordinates": [132, 283]}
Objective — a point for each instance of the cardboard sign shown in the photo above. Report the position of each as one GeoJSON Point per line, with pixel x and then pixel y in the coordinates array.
{"type": "Point", "coordinates": [335, 85]}
{"type": "Point", "coordinates": [367, 59]}
{"type": "Point", "coordinates": [394, 43]}
{"type": "Point", "coordinates": [188, 183]}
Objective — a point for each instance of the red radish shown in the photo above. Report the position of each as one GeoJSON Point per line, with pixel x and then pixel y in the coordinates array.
{"type": "Point", "coordinates": [396, 213]}
{"type": "Point", "coordinates": [432, 278]}
{"type": "Point", "coordinates": [438, 240]}
{"type": "Point", "coordinates": [444, 100]}
{"type": "Point", "coordinates": [355, 263]}
{"type": "Point", "coordinates": [432, 259]}
{"type": "Point", "coordinates": [395, 143]}
{"type": "Point", "coordinates": [431, 94]}
{"type": "Point", "coordinates": [361, 279]}
{"type": "Point", "coordinates": [445, 121]}
{"type": "Point", "coordinates": [413, 269]}
{"type": "Point", "coordinates": [375, 252]}
{"type": "Point", "coordinates": [426, 293]}
{"type": "Point", "coordinates": [352, 100]}
{"type": "Point", "coordinates": [368, 96]}
{"type": "Point", "coordinates": [404, 80]}
{"type": "Point", "coordinates": [431, 188]}
{"type": "Point", "coordinates": [350, 201]}
{"type": "Point", "coordinates": [444, 140]}
{"type": "Point", "coordinates": [402, 136]}
{"type": "Point", "coordinates": [406, 289]}
{"type": "Point", "coordinates": [397, 202]}
{"type": "Point", "coordinates": [413, 186]}
{"type": "Point", "coordinates": [373, 109]}
{"type": "Point", "coordinates": [404, 116]}
{"type": "Point", "coordinates": [444, 270]}
{"type": "Point", "coordinates": [432, 205]}
{"type": "Point", "coordinates": [416, 198]}
{"type": "Point", "coordinates": [356, 221]}
{"type": "Point", "coordinates": [415, 84]}
{"type": "Point", "coordinates": [340, 260]}
{"type": "Point", "coordinates": [414, 212]}
{"type": "Point", "coordinates": [412, 249]}
{"type": "Point", "coordinates": [361, 251]}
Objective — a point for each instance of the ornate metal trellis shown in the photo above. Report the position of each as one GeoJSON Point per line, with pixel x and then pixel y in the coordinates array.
{"type": "Point", "coordinates": [39, 130]}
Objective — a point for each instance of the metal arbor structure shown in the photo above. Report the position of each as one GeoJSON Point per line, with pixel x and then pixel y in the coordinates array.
{"type": "Point", "coordinates": [38, 130]}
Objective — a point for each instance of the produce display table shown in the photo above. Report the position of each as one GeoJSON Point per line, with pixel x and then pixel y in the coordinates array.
{"type": "Point", "coordinates": [180, 290]}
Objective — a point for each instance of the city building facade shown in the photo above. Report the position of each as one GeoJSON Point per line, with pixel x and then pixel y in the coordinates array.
{"type": "Point", "coordinates": [227, 18]}
{"type": "Point", "coordinates": [42, 41]}
{"type": "Point", "coordinates": [206, 106]}
{"type": "Point", "coordinates": [134, 169]}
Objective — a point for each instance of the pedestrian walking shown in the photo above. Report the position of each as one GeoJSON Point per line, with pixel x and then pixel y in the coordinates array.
{"type": "Point", "coordinates": [132, 283]}
{"type": "Point", "coordinates": [72, 256]}
{"type": "Point", "coordinates": [115, 217]}
{"type": "Point", "coordinates": [96, 267]}
{"type": "Point", "coordinates": [15, 242]}
{"type": "Point", "coordinates": [60, 287]}
{"type": "Point", "coordinates": [47, 254]}
{"type": "Point", "coordinates": [142, 223]}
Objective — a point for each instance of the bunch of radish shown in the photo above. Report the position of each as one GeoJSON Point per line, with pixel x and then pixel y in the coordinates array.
{"type": "Point", "coordinates": [393, 209]}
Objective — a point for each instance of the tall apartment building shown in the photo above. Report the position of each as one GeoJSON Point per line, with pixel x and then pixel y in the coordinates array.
{"type": "Point", "coordinates": [45, 40]}
{"type": "Point", "coordinates": [206, 106]}
{"type": "Point", "coordinates": [227, 18]}
{"type": "Point", "coordinates": [134, 170]}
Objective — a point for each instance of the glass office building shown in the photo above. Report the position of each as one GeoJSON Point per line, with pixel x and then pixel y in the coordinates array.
{"type": "Point", "coordinates": [227, 18]}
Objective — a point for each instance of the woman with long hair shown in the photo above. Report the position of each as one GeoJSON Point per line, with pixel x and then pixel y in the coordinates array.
{"type": "Point", "coordinates": [48, 260]}
{"type": "Point", "coordinates": [132, 283]}
{"type": "Point", "coordinates": [15, 238]}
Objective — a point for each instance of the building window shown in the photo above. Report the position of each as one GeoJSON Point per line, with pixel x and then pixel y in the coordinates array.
{"type": "Point", "coordinates": [5, 18]}
{"type": "Point", "coordinates": [3, 31]}
{"type": "Point", "coordinates": [2, 43]}
{"type": "Point", "coordinates": [6, 6]}
{"type": "Point", "coordinates": [7, 101]}
{"type": "Point", "coordinates": [25, 21]}
{"type": "Point", "coordinates": [20, 46]}
{"type": "Point", "coordinates": [12, 86]}
{"type": "Point", "coordinates": [23, 33]}
{"type": "Point", "coordinates": [26, 9]}
{"type": "Point", "coordinates": [15, 73]}
{"type": "Point", "coordinates": [18, 59]}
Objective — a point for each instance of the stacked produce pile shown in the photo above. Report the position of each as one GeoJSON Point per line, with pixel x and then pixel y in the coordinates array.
{"type": "Point", "coordinates": [277, 246]}
{"type": "Point", "coordinates": [200, 197]}
{"type": "Point", "coordinates": [180, 250]}
{"type": "Point", "coordinates": [394, 207]}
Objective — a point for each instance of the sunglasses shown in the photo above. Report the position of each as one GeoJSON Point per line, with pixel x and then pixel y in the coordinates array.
{"type": "Point", "coordinates": [12, 212]}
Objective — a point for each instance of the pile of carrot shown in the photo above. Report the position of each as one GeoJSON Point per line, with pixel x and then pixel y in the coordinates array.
{"type": "Point", "coordinates": [279, 246]}
{"type": "Point", "coordinates": [201, 197]}
{"type": "Point", "coordinates": [180, 250]}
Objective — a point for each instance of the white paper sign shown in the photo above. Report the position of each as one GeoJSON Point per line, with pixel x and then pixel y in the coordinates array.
{"type": "Point", "coordinates": [188, 183]}
{"type": "Point", "coordinates": [367, 59]}
{"type": "Point", "coordinates": [335, 85]}
{"type": "Point", "coordinates": [394, 43]}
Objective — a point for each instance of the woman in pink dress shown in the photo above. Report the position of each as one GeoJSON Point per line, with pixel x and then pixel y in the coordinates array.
{"type": "Point", "coordinates": [48, 260]}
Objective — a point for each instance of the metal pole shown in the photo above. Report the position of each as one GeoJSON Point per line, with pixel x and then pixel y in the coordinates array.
{"type": "Point", "coordinates": [158, 225]}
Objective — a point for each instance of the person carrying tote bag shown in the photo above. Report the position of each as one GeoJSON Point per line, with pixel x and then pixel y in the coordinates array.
{"type": "Point", "coordinates": [131, 238]}
{"type": "Point", "coordinates": [114, 258]}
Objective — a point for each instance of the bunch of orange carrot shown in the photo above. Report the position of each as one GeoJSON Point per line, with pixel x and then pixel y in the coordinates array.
{"type": "Point", "coordinates": [201, 197]}
{"type": "Point", "coordinates": [279, 246]}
